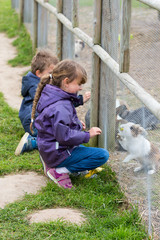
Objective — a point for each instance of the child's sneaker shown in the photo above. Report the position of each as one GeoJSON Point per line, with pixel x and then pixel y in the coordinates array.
{"type": "Point", "coordinates": [26, 144]}
{"type": "Point", "coordinates": [62, 180]}
{"type": "Point", "coordinates": [93, 173]}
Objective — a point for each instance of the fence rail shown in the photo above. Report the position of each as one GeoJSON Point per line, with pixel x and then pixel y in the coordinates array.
{"type": "Point", "coordinates": [151, 3]}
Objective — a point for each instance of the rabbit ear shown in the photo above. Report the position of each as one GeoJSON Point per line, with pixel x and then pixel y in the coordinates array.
{"type": "Point", "coordinates": [142, 131]}
{"type": "Point", "coordinates": [138, 130]}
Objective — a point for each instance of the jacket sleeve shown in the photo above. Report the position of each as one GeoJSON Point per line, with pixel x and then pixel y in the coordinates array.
{"type": "Point", "coordinates": [28, 87]}
{"type": "Point", "coordinates": [79, 102]}
{"type": "Point", "coordinates": [66, 130]}
{"type": "Point", "coordinates": [32, 91]}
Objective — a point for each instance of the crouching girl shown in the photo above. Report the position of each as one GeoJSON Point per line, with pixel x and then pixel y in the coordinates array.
{"type": "Point", "coordinates": [60, 132]}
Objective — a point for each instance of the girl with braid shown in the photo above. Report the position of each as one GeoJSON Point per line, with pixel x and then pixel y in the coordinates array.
{"type": "Point", "coordinates": [60, 132]}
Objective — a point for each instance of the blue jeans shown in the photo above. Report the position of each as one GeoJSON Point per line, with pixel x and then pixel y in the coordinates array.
{"type": "Point", "coordinates": [85, 158]}
{"type": "Point", "coordinates": [27, 129]}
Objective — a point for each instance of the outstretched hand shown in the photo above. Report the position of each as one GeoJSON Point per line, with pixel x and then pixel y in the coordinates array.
{"type": "Point", "coordinates": [86, 96]}
{"type": "Point", "coordinates": [83, 125]}
{"type": "Point", "coordinates": [94, 131]}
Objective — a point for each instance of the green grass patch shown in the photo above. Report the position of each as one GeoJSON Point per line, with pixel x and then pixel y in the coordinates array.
{"type": "Point", "coordinates": [82, 3]}
{"type": "Point", "coordinates": [89, 3]}
{"type": "Point", "coordinates": [100, 199]}
{"type": "Point", "coordinates": [9, 23]}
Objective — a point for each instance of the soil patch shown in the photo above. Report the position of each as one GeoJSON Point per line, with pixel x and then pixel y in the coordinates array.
{"type": "Point", "coordinates": [14, 187]}
{"type": "Point", "coordinates": [62, 214]}
{"type": "Point", "coordinates": [10, 77]}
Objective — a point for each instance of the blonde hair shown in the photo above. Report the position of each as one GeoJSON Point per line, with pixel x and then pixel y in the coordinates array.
{"type": "Point", "coordinates": [64, 69]}
{"type": "Point", "coordinates": [42, 60]}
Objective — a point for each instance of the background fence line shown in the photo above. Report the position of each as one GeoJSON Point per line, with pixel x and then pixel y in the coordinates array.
{"type": "Point", "coordinates": [125, 78]}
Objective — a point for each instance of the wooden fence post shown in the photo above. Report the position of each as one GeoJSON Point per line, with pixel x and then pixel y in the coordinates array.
{"type": "Point", "coordinates": [109, 41]}
{"type": "Point", "coordinates": [42, 25]}
{"type": "Point", "coordinates": [75, 14]}
{"type": "Point", "coordinates": [125, 36]}
{"type": "Point", "coordinates": [95, 71]}
{"type": "Point", "coordinates": [68, 37]}
{"type": "Point", "coordinates": [35, 25]}
{"type": "Point", "coordinates": [59, 31]}
{"type": "Point", "coordinates": [21, 12]}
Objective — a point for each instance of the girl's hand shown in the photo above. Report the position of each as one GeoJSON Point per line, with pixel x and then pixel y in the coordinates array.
{"type": "Point", "coordinates": [94, 131]}
{"type": "Point", "coordinates": [83, 125]}
{"type": "Point", "coordinates": [86, 96]}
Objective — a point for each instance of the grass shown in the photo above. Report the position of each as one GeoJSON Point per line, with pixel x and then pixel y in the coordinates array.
{"type": "Point", "coordinates": [9, 23]}
{"type": "Point", "coordinates": [100, 199]}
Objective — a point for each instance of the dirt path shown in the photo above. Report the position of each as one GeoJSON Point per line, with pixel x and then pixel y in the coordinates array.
{"type": "Point", "coordinates": [10, 78]}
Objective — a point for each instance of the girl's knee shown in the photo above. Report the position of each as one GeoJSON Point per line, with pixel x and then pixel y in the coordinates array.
{"type": "Point", "coordinates": [104, 155]}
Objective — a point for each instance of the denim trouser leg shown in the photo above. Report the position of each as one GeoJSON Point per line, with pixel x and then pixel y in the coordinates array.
{"type": "Point", "coordinates": [27, 129]}
{"type": "Point", "coordinates": [85, 158]}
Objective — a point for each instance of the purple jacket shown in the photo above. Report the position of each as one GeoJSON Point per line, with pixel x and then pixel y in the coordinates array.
{"type": "Point", "coordinates": [59, 129]}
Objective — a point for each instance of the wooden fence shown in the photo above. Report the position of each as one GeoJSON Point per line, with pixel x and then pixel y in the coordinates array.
{"type": "Point", "coordinates": [105, 68]}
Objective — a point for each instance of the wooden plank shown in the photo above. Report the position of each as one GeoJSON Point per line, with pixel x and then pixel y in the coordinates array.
{"type": "Point", "coordinates": [59, 31]}
{"type": "Point", "coordinates": [94, 121]}
{"type": "Point", "coordinates": [35, 25]}
{"type": "Point", "coordinates": [94, 118]}
{"type": "Point", "coordinates": [125, 36]}
{"type": "Point", "coordinates": [42, 27]}
{"type": "Point", "coordinates": [21, 12]}
{"type": "Point", "coordinates": [97, 22]}
{"type": "Point", "coordinates": [75, 14]}
{"type": "Point", "coordinates": [68, 36]}
{"type": "Point", "coordinates": [109, 42]}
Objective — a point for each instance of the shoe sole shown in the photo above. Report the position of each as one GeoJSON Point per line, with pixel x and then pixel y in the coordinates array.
{"type": "Point", "coordinates": [44, 167]}
{"type": "Point", "coordinates": [53, 179]}
{"type": "Point", "coordinates": [21, 144]}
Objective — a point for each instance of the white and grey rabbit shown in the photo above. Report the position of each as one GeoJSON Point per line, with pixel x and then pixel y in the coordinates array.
{"type": "Point", "coordinates": [132, 138]}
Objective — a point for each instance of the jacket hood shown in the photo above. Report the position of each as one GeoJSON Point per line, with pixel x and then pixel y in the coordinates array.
{"type": "Point", "coordinates": [52, 94]}
{"type": "Point", "coordinates": [29, 81]}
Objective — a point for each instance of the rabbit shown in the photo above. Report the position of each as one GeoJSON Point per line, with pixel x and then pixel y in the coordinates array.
{"type": "Point", "coordinates": [132, 138]}
{"type": "Point", "coordinates": [79, 46]}
{"type": "Point", "coordinates": [140, 116]}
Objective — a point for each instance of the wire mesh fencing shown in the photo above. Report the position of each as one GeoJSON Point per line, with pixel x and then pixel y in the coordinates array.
{"type": "Point", "coordinates": [139, 140]}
